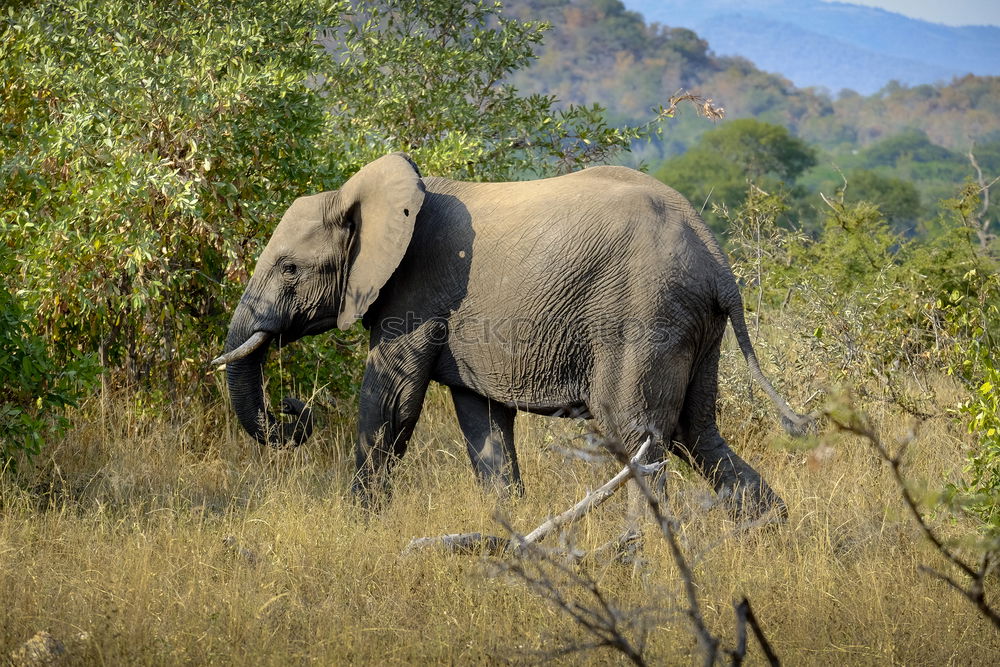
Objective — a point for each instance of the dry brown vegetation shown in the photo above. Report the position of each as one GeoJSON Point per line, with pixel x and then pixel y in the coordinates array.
{"type": "Point", "coordinates": [172, 540]}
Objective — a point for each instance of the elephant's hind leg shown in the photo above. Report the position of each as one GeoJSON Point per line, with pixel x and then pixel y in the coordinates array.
{"type": "Point", "coordinates": [488, 428]}
{"type": "Point", "coordinates": [640, 396]}
{"type": "Point", "coordinates": [741, 487]}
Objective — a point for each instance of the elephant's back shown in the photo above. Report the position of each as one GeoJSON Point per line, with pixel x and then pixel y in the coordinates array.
{"type": "Point", "coordinates": [601, 202]}
{"type": "Point", "coordinates": [603, 226]}
{"type": "Point", "coordinates": [544, 272]}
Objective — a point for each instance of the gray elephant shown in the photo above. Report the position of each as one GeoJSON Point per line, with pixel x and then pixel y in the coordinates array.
{"type": "Point", "coordinates": [598, 294]}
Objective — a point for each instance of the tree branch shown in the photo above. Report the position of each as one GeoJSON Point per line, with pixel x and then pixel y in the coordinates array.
{"type": "Point", "coordinates": [744, 617]}
{"type": "Point", "coordinates": [983, 222]}
{"type": "Point", "coordinates": [465, 543]}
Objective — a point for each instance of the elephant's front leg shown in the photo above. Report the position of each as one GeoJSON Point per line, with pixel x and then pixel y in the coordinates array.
{"type": "Point", "coordinates": [488, 428]}
{"type": "Point", "coordinates": [392, 395]}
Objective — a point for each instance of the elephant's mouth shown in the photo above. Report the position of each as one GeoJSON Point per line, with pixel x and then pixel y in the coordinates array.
{"type": "Point", "coordinates": [296, 332]}
{"type": "Point", "coordinates": [260, 338]}
{"type": "Point", "coordinates": [319, 326]}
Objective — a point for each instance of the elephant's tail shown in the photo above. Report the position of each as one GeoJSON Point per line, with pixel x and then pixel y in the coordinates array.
{"type": "Point", "coordinates": [793, 423]}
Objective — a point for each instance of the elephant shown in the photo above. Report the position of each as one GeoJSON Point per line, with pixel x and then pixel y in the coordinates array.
{"type": "Point", "coordinates": [599, 294]}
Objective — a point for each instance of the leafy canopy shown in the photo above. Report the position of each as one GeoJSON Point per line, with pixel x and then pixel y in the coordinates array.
{"type": "Point", "coordinates": [716, 170]}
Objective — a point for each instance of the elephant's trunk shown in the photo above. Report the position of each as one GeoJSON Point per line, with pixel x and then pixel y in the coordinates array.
{"type": "Point", "coordinates": [246, 390]}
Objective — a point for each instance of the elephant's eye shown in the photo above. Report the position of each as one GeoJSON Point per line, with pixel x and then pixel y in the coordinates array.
{"type": "Point", "coordinates": [289, 269]}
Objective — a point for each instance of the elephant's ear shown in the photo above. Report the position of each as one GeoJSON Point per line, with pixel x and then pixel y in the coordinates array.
{"type": "Point", "coordinates": [382, 199]}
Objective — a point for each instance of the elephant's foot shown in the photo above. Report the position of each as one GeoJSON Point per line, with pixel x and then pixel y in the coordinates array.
{"type": "Point", "coordinates": [753, 504]}
{"type": "Point", "coordinates": [371, 495]}
{"type": "Point", "coordinates": [505, 490]}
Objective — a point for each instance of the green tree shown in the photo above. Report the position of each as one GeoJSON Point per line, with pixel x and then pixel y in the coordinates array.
{"type": "Point", "coordinates": [145, 147]}
{"type": "Point", "coordinates": [898, 200]}
{"type": "Point", "coordinates": [911, 144]}
{"type": "Point", "coordinates": [877, 302]}
{"type": "Point", "coordinates": [716, 170]}
{"type": "Point", "coordinates": [760, 149]}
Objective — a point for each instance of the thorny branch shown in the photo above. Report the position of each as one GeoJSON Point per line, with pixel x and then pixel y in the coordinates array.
{"type": "Point", "coordinates": [602, 619]}
{"type": "Point", "coordinates": [708, 642]}
{"type": "Point", "coordinates": [975, 592]}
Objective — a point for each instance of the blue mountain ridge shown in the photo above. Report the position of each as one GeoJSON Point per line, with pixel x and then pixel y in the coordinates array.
{"type": "Point", "coordinates": [833, 45]}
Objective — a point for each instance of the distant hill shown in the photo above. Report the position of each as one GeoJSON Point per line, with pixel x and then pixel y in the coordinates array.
{"type": "Point", "coordinates": [597, 51]}
{"type": "Point", "coordinates": [833, 45]}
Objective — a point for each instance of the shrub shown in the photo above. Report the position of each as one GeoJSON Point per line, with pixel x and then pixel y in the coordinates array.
{"type": "Point", "coordinates": [877, 303]}
{"type": "Point", "coordinates": [34, 387]}
{"type": "Point", "coordinates": [146, 147]}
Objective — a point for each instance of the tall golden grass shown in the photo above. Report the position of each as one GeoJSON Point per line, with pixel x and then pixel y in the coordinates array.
{"type": "Point", "coordinates": [164, 539]}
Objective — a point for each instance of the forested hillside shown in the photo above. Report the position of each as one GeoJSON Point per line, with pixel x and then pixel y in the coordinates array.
{"type": "Point", "coordinates": [834, 45]}
{"type": "Point", "coordinates": [597, 51]}
{"type": "Point", "coordinates": [910, 145]}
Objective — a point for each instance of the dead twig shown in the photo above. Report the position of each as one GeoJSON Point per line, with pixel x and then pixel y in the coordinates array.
{"type": "Point", "coordinates": [982, 220]}
{"type": "Point", "coordinates": [462, 543]}
{"type": "Point", "coordinates": [745, 617]}
{"type": "Point", "coordinates": [598, 496]}
{"type": "Point", "coordinates": [600, 617]}
{"type": "Point", "coordinates": [974, 592]}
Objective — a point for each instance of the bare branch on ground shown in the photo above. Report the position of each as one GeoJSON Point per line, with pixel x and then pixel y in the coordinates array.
{"type": "Point", "coordinates": [494, 545]}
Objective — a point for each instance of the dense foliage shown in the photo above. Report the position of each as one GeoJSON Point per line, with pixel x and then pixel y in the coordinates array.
{"type": "Point", "coordinates": [882, 307]}
{"type": "Point", "coordinates": [145, 150]}
{"type": "Point", "coordinates": [34, 387]}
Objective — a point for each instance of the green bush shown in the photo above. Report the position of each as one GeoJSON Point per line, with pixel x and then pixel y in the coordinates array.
{"type": "Point", "coordinates": [897, 199]}
{"type": "Point", "coordinates": [147, 148]}
{"type": "Point", "coordinates": [979, 492]}
{"type": "Point", "coordinates": [882, 307]}
{"type": "Point", "coordinates": [35, 389]}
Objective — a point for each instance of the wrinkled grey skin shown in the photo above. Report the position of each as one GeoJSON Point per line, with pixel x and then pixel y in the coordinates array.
{"type": "Point", "coordinates": [598, 294]}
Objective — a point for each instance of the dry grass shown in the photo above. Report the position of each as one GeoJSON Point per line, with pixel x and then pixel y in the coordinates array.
{"type": "Point", "coordinates": [175, 540]}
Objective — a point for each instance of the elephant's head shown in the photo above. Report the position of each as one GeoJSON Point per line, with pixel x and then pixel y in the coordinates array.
{"type": "Point", "coordinates": [323, 267]}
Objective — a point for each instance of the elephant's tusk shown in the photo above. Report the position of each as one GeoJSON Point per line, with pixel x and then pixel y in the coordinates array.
{"type": "Point", "coordinates": [254, 342]}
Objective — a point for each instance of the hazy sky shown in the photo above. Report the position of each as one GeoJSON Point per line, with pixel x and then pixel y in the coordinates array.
{"type": "Point", "coordinates": [949, 12]}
